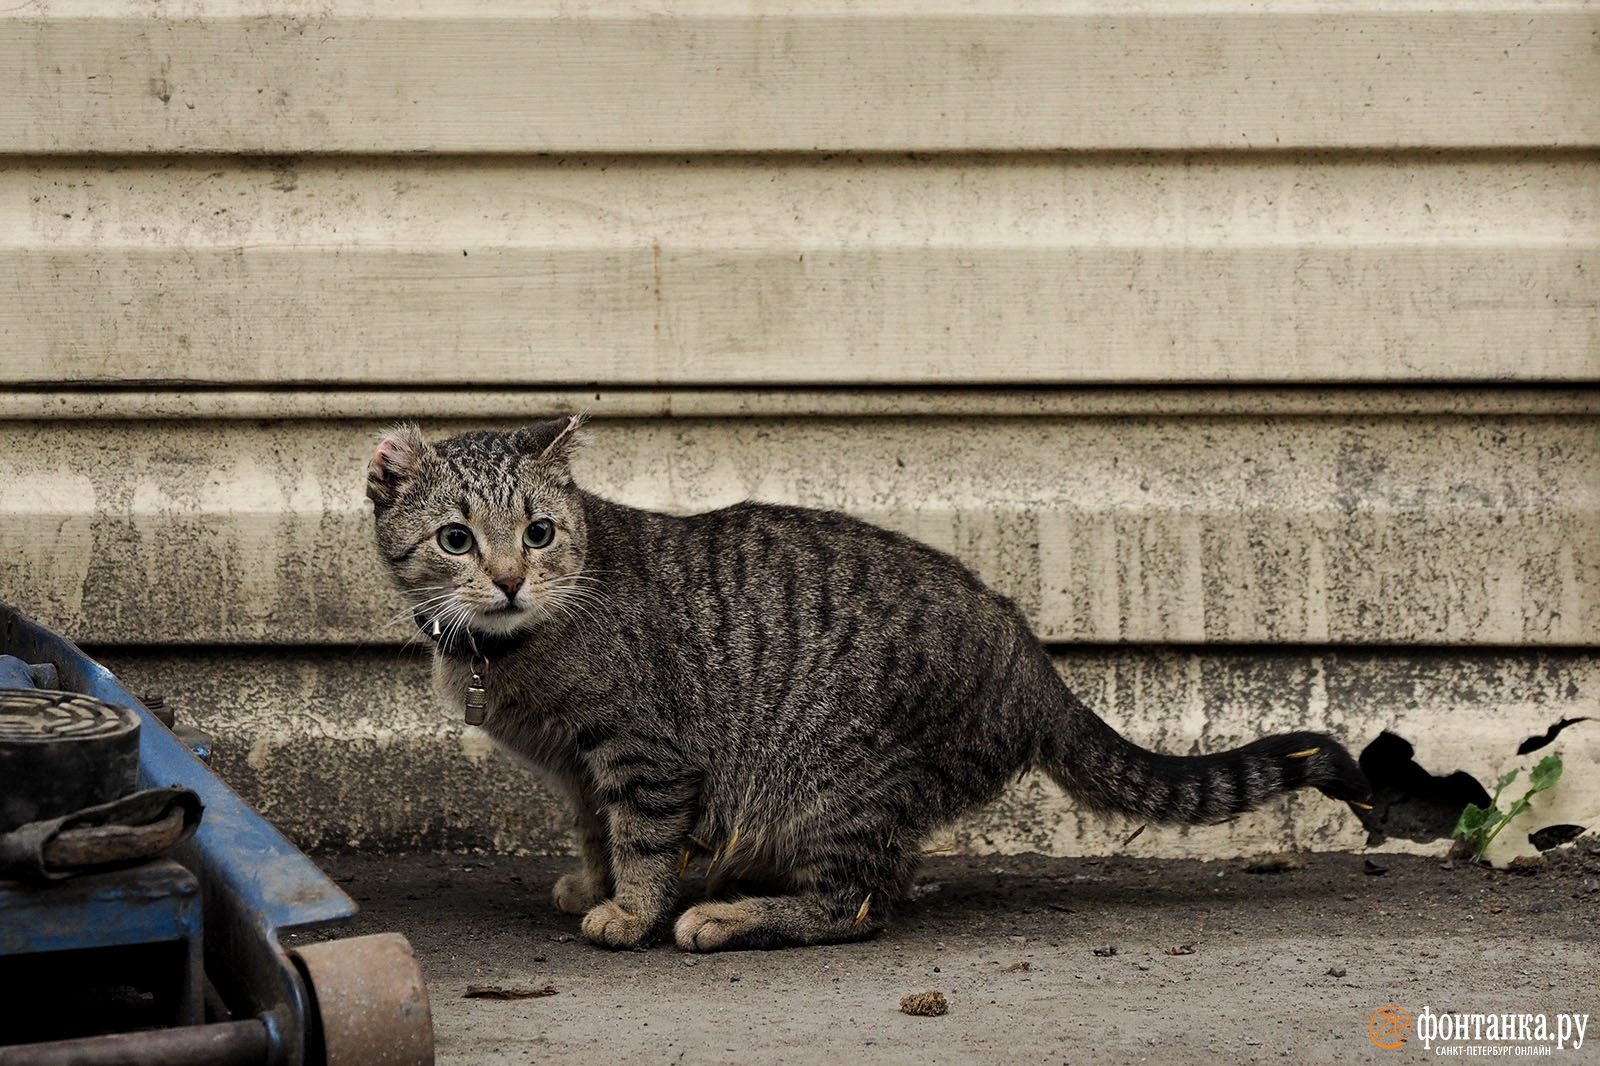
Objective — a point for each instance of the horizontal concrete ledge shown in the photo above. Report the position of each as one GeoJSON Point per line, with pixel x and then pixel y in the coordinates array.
{"type": "Point", "coordinates": [349, 747]}
{"type": "Point", "coordinates": [286, 77]}
{"type": "Point", "coordinates": [1004, 271]}
{"type": "Point", "coordinates": [1344, 529]}
{"type": "Point", "coordinates": [803, 203]}
{"type": "Point", "coordinates": [644, 315]}
{"type": "Point", "coordinates": [179, 404]}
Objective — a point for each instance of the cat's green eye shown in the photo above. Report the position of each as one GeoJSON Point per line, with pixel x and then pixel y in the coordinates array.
{"type": "Point", "coordinates": [539, 534]}
{"type": "Point", "coordinates": [455, 539]}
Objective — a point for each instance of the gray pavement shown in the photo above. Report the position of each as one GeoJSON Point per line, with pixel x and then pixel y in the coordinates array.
{"type": "Point", "coordinates": [1041, 961]}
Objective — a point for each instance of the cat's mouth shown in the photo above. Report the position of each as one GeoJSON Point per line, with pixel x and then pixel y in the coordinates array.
{"type": "Point", "coordinates": [505, 619]}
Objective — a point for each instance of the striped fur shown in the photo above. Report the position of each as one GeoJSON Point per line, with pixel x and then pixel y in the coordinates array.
{"type": "Point", "coordinates": [794, 697]}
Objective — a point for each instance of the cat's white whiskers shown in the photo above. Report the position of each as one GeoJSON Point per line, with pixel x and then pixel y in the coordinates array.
{"type": "Point", "coordinates": [568, 599]}
{"type": "Point", "coordinates": [409, 613]}
{"type": "Point", "coordinates": [555, 605]}
{"type": "Point", "coordinates": [576, 602]}
{"type": "Point", "coordinates": [443, 596]}
{"type": "Point", "coordinates": [451, 621]}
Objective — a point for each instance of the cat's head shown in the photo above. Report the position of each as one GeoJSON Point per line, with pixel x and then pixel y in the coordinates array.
{"type": "Point", "coordinates": [483, 530]}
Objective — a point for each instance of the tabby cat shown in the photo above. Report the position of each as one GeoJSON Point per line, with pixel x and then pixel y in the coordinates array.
{"type": "Point", "coordinates": [803, 695]}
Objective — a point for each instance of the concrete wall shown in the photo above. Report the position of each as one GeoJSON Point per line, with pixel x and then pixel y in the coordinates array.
{"type": "Point", "coordinates": [1250, 347]}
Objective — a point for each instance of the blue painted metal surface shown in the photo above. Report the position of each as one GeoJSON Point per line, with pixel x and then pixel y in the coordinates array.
{"type": "Point", "coordinates": [148, 904]}
{"type": "Point", "coordinates": [255, 883]}
{"type": "Point", "coordinates": [157, 902]}
{"type": "Point", "coordinates": [14, 673]}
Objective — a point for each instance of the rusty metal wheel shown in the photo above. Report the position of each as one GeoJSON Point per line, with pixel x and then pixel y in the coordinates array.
{"type": "Point", "coordinates": [370, 1001]}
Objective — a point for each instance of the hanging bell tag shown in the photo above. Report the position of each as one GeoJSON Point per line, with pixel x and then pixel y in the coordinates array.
{"type": "Point", "coordinates": [477, 702]}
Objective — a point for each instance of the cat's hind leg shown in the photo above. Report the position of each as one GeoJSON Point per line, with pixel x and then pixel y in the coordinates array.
{"type": "Point", "coordinates": [836, 899]}
{"type": "Point", "coordinates": [761, 922]}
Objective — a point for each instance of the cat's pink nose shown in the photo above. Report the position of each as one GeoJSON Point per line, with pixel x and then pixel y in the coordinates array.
{"type": "Point", "coordinates": [509, 585]}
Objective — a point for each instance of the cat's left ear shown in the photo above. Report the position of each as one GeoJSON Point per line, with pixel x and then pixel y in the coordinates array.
{"type": "Point", "coordinates": [397, 460]}
{"type": "Point", "coordinates": [555, 441]}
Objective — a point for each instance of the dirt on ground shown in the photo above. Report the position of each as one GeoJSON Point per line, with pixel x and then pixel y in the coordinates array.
{"type": "Point", "coordinates": [1039, 960]}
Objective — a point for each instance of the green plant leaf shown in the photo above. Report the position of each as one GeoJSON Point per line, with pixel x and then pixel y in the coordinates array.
{"type": "Point", "coordinates": [1546, 774]}
{"type": "Point", "coordinates": [1475, 821]}
{"type": "Point", "coordinates": [1478, 826]}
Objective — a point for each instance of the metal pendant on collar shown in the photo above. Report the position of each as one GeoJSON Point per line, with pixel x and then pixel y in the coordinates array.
{"type": "Point", "coordinates": [477, 701]}
{"type": "Point", "coordinates": [463, 641]}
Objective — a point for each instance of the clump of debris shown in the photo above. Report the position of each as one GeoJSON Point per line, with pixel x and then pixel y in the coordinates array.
{"type": "Point", "coordinates": [929, 1004]}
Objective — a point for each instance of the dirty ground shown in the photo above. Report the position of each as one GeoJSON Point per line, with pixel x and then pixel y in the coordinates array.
{"type": "Point", "coordinates": [1040, 961]}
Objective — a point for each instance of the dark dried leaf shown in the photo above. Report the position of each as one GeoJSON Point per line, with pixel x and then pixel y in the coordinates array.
{"type": "Point", "coordinates": [507, 992]}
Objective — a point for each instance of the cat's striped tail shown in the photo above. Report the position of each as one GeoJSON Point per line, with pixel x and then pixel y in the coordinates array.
{"type": "Point", "coordinates": [1102, 768]}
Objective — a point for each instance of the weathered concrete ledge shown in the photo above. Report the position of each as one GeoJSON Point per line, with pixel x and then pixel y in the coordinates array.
{"type": "Point", "coordinates": [356, 403]}
{"type": "Point", "coordinates": [957, 270]}
{"type": "Point", "coordinates": [349, 747]}
{"type": "Point", "coordinates": [1393, 530]}
{"type": "Point", "coordinates": [851, 75]}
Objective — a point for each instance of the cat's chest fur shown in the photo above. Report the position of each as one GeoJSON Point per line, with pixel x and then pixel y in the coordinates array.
{"type": "Point", "coordinates": [531, 711]}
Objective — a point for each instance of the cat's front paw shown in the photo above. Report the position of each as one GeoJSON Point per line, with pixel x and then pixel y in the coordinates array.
{"type": "Point", "coordinates": [613, 926]}
{"type": "Point", "coordinates": [577, 892]}
{"type": "Point", "coordinates": [713, 926]}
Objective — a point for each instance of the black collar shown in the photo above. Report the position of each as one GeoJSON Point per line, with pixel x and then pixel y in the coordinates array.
{"type": "Point", "coordinates": [464, 643]}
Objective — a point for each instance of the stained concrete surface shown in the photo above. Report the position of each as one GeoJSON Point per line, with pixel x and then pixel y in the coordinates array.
{"type": "Point", "coordinates": [1348, 528]}
{"type": "Point", "coordinates": [1285, 967]}
{"type": "Point", "coordinates": [350, 748]}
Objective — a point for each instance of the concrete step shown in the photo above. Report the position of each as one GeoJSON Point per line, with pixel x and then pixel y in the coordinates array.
{"type": "Point", "coordinates": [801, 271]}
{"type": "Point", "coordinates": [713, 76]}
{"type": "Point", "coordinates": [1385, 527]}
{"type": "Point", "coordinates": [349, 747]}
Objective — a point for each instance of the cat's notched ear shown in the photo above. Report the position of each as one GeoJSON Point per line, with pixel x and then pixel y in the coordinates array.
{"type": "Point", "coordinates": [396, 461]}
{"type": "Point", "coordinates": [553, 441]}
